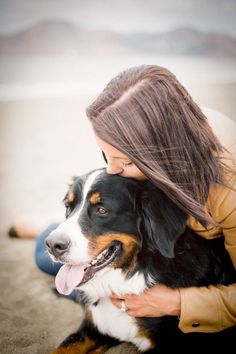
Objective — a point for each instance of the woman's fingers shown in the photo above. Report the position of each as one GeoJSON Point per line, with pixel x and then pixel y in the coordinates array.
{"type": "Point", "coordinates": [154, 302]}
{"type": "Point", "coordinates": [116, 301]}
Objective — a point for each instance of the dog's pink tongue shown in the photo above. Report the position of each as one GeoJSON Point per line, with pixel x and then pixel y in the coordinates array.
{"type": "Point", "coordinates": [68, 277]}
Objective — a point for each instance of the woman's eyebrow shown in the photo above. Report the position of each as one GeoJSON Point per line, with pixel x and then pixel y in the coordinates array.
{"type": "Point", "coordinates": [121, 158]}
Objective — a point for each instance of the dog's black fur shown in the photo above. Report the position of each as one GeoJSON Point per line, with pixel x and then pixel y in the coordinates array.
{"type": "Point", "coordinates": [167, 252]}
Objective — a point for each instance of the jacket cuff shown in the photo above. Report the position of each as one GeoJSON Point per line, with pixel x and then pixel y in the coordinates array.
{"type": "Point", "coordinates": [199, 310]}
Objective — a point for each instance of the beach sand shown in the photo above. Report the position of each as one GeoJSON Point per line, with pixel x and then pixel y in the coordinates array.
{"type": "Point", "coordinates": [43, 142]}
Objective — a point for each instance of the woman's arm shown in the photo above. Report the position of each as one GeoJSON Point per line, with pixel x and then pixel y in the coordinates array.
{"type": "Point", "coordinates": [213, 308]}
{"type": "Point", "coordinates": [203, 309]}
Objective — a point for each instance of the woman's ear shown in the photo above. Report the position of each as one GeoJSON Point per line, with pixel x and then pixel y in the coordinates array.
{"type": "Point", "coordinates": [161, 221]}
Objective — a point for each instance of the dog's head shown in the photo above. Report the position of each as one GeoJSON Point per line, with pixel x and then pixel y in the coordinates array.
{"type": "Point", "coordinates": [109, 220]}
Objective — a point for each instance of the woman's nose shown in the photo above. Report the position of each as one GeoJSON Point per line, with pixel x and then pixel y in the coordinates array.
{"type": "Point", "coordinates": [113, 169]}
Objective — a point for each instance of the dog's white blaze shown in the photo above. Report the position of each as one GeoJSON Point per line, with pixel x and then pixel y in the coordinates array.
{"type": "Point", "coordinates": [78, 252]}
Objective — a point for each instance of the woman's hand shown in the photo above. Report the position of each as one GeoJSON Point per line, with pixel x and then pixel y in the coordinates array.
{"type": "Point", "coordinates": [154, 302]}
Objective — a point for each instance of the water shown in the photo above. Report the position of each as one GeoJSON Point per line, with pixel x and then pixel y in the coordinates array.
{"type": "Point", "coordinates": [34, 77]}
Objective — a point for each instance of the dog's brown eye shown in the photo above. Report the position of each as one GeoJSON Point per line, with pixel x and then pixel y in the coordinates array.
{"type": "Point", "coordinates": [102, 211]}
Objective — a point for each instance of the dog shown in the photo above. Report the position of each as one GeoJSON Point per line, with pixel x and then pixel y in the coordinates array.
{"type": "Point", "coordinates": [123, 236]}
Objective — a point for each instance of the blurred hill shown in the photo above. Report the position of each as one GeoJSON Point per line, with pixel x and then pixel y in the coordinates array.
{"type": "Point", "coordinates": [53, 38]}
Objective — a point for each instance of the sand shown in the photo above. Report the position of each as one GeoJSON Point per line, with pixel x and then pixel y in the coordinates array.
{"type": "Point", "coordinates": [42, 144]}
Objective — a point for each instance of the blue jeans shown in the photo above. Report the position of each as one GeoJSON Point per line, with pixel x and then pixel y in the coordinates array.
{"type": "Point", "coordinates": [42, 259]}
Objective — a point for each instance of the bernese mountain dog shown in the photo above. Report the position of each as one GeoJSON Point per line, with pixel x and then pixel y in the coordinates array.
{"type": "Point", "coordinates": [123, 236]}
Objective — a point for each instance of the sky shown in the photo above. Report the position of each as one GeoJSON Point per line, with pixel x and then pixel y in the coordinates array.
{"type": "Point", "coordinates": [121, 15]}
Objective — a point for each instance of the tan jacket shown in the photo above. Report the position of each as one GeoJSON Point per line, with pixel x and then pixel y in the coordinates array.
{"type": "Point", "coordinates": [213, 308]}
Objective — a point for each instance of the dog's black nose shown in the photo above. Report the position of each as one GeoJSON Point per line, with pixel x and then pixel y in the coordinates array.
{"type": "Point", "coordinates": [57, 244]}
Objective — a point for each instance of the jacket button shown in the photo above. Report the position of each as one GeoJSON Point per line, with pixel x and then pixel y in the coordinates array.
{"type": "Point", "coordinates": [195, 324]}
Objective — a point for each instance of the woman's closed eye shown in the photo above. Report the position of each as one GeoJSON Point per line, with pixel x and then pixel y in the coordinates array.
{"type": "Point", "coordinates": [126, 164]}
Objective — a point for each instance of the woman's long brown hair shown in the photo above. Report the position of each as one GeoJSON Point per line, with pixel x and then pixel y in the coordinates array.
{"type": "Point", "coordinates": [148, 115]}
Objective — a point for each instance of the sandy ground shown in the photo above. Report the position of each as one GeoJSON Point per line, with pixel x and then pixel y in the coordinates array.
{"type": "Point", "coordinates": [42, 144]}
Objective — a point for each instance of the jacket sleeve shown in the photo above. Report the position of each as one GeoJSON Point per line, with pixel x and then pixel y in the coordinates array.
{"type": "Point", "coordinates": [213, 308]}
{"type": "Point", "coordinates": [208, 309]}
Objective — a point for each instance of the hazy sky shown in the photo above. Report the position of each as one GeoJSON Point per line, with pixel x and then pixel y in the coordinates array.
{"type": "Point", "coordinates": [122, 15]}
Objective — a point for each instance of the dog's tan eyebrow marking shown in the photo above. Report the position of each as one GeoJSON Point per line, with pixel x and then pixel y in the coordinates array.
{"type": "Point", "coordinates": [70, 197]}
{"type": "Point", "coordinates": [95, 198]}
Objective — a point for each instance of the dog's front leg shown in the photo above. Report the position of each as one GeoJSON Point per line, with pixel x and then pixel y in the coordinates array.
{"type": "Point", "coordinates": [87, 340]}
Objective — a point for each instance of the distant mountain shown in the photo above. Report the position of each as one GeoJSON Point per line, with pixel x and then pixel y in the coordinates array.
{"type": "Point", "coordinates": [49, 38]}
{"type": "Point", "coordinates": [186, 41]}
{"type": "Point", "coordinates": [59, 38]}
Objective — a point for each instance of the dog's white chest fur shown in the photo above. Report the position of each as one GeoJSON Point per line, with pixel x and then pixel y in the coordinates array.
{"type": "Point", "coordinates": [118, 324]}
{"type": "Point", "coordinates": [108, 318]}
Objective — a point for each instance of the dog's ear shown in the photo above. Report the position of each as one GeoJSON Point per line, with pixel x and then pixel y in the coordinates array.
{"type": "Point", "coordinates": [161, 221]}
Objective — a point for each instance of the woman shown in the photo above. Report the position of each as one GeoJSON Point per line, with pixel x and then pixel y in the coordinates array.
{"type": "Point", "coordinates": [148, 127]}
